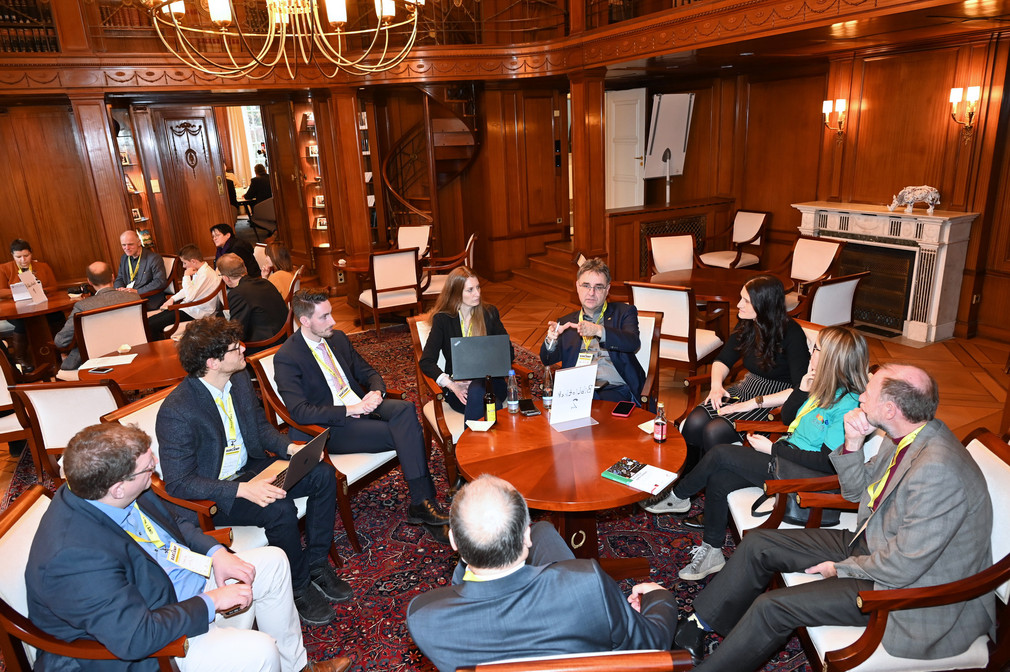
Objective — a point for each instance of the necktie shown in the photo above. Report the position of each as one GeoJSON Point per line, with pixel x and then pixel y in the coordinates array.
{"type": "Point", "coordinates": [331, 366]}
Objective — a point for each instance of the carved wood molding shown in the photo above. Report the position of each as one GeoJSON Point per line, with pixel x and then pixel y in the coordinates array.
{"type": "Point", "coordinates": [684, 28]}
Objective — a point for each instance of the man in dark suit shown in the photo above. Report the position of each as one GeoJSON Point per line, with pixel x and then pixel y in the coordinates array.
{"type": "Point", "coordinates": [141, 270]}
{"type": "Point", "coordinates": [925, 518]}
{"type": "Point", "coordinates": [604, 333]}
{"type": "Point", "coordinates": [228, 242]}
{"type": "Point", "coordinates": [259, 186]}
{"type": "Point", "coordinates": [324, 381]}
{"type": "Point", "coordinates": [519, 592]}
{"type": "Point", "coordinates": [100, 569]}
{"type": "Point", "coordinates": [253, 302]}
{"type": "Point", "coordinates": [214, 438]}
{"type": "Point", "coordinates": [100, 278]}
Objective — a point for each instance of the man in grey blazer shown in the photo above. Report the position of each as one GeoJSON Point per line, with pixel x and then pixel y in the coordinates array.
{"type": "Point", "coordinates": [141, 270]}
{"type": "Point", "coordinates": [519, 592]}
{"type": "Point", "coordinates": [924, 519]}
{"type": "Point", "coordinates": [100, 277]}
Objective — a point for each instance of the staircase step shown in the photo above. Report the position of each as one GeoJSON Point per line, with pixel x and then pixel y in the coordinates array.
{"type": "Point", "coordinates": [564, 272]}
{"type": "Point", "coordinates": [543, 286]}
{"type": "Point", "coordinates": [453, 139]}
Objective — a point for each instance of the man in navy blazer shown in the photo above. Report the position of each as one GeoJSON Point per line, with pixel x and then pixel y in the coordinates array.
{"type": "Point", "coordinates": [605, 333]}
{"type": "Point", "coordinates": [214, 438]}
{"type": "Point", "coordinates": [324, 381]}
{"type": "Point", "coordinates": [141, 270]}
{"type": "Point", "coordinates": [519, 592]}
{"type": "Point", "coordinates": [99, 569]}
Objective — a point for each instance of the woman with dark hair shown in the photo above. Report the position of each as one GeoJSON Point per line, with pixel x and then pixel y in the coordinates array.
{"type": "Point", "coordinates": [280, 272]}
{"type": "Point", "coordinates": [10, 273]}
{"type": "Point", "coordinates": [815, 411]}
{"type": "Point", "coordinates": [459, 312]}
{"type": "Point", "coordinates": [774, 351]}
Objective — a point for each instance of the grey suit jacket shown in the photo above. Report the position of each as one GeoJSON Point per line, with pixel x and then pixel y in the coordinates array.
{"type": "Point", "coordinates": [104, 297]}
{"type": "Point", "coordinates": [150, 275]}
{"type": "Point", "coordinates": [932, 525]}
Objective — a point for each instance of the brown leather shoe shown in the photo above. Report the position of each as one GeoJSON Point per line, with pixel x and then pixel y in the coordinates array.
{"type": "Point", "coordinates": [338, 664]}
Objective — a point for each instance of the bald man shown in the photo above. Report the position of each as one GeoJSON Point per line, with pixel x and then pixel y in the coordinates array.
{"type": "Point", "coordinates": [519, 592]}
{"type": "Point", "coordinates": [101, 279]}
{"type": "Point", "coordinates": [140, 270]}
{"type": "Point", "coordinates": [924, 519]}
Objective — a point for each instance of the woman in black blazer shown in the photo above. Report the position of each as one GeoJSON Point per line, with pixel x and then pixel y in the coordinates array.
{"type": "Point", "coordinates": [459, 312]}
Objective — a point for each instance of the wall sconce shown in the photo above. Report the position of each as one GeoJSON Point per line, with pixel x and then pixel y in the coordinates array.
{"type": "Point", "coordinates": [838, 107]}
{"type": "Point", "coordinates": [967, 119]}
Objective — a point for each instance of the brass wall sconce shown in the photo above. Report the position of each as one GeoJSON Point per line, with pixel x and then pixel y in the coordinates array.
{"type": "Point", "coordinates": [838, 108]}
{"type": "Point", "coordinates": [967, 117]}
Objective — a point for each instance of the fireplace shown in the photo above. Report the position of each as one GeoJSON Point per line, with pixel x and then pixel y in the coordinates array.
{"type": "Point", "coordinates": [935, 245]}
{"type": "Point", "coordinates": [882, 298]}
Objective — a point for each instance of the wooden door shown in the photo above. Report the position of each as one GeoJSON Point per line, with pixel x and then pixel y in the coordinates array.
{"type": "Point", "coordinates": [289, 206]}
{"type": "Point", "coordinates": [625, 129]}
{"type": "Point", "coordinates": [193, 172]}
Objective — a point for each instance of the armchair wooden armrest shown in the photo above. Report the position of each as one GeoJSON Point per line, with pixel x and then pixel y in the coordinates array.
{"type": "Point", "coordinates": [880, 603]}
{"type": "Point", "coordinates": [784, 486]}
{"type": "Point", "coordinates": [395, 394]}
{"type": "Point", "coordinates": [825, 500]}
{"type": "Point", "coordinates": [179, 306]}
{"type": "Point", "coordinates": [286, 330]}
{"type": "Point", "coordinates": [203, 508]}
{"type": "Point", "coordinates": [222, 535]}
{"type": "Point", "coordinates": [769, 426]}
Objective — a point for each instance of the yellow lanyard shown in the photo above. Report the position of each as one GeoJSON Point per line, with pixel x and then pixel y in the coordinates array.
{"type": "Point", "coordinates": [152, 533]}
{"type": "Point", "coordinates": [341, 383]}
{"type": "Point", "coordinates": [25, 270]}
{"type": "Point", "coordinates": [229, 412]}
{"type": "Point", "coordinates": [133, 271]}
{"type": "Point", "coordinates": [470, 576]}
{"type": "Point", "coordinates": [465, 329]}
{"type": "Point", "coordinates": [587, 341]}
{"type": "Point", "coordinates": [809, 405]}
{"type": "Point", "coordinates": [877, 487]}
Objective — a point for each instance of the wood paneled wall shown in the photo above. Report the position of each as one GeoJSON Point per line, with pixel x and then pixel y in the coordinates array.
{"type": "Point", "coordinates": [48, 194]}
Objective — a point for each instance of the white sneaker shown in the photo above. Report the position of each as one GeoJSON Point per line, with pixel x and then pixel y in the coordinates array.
{"type": "Point", "coordinates": [705, 560]}
{"type": "Point", "coordinates": [670, 504]}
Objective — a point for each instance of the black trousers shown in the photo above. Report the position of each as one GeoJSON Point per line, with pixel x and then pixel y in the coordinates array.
{"type": "Point", "coordinates": [759, 623]}
{"type": "Point", "coordinates": [474, 407]}
{"type": "Point", "coordinates": [280, 519]}
{"type": "Point", "coordinates": [725, 468]}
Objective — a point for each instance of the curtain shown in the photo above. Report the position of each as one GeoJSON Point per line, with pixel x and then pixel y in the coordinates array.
{"type": "Point", "coordinates": [239, 146]}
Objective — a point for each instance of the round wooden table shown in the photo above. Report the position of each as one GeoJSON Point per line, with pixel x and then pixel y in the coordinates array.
{"type": "Point", "coordinates": [560, 471]}
{"type": "Point", "coordinates": [156, 365]}
{"type": "Point", "coordinates": [715, 284]}
{"type": "Point", "coordinates": [40, 339]}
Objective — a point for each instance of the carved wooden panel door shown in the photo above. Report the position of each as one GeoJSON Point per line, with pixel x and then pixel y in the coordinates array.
{"type": "Point", "coordinates": [193, 171]}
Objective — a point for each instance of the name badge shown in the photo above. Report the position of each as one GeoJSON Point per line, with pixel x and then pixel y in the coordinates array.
{"type": "Point", "coordinates": [187, 559]}
{"type": "Point", "coordinates": [232, 460]}
{"type": "Point", "coordinates": [585, 358]}
{"type": "Point", "coordinates": [129, 286]}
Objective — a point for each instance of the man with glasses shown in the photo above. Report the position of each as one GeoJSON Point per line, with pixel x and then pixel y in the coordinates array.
{"type": "Point", "coordinates": [141, 270]}
{"type": "Point", "coordinates": [602, 332]}
{"type": "Point", "coordinates": [111, 563]}
{"type": "Point", "coordinates": [214, 438]}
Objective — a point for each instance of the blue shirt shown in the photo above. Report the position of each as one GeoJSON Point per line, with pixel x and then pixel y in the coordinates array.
{"type": "Point", "coordinates": [187, 584]}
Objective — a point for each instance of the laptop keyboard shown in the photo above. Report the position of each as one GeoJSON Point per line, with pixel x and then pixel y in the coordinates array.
{"type": "Point", "coordinates": [279, 480]}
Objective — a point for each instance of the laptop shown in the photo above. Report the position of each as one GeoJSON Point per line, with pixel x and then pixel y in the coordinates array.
{"type": "Point", "coordinates": [479, 356]}
{"type": "Point", "coordinates": [286, 473]}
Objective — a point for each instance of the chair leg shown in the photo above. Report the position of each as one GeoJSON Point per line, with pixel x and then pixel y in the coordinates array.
{"type": "Point", "coordinates": [346, 516]}
{"type": "Point", "coordinates": [378, 326]}
{"type": "Point", "coordinates": [449, 456]}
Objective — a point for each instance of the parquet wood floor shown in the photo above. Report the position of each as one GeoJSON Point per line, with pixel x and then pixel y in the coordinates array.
{"type": "Point", "coordinates": [970, 374]}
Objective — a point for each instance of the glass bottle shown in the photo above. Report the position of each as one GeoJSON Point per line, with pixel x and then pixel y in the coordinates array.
{"type": "Point", "coordinates": [512, 398]}
{"type": "Point", "coordinates": [548, 397]}
{"type": "Point", "coordinates": [489, 411]}
{"type": "Point", "coordinates": [659, 424]}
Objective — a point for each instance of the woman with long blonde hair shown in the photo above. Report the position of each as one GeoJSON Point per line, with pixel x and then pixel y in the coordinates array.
{"type": "Point", "coordinates": [460, 312]}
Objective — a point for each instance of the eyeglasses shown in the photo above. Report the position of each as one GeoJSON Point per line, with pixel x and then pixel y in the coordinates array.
{"type": "Point", "coordinates": [236, 348]}
{"type": "Point", "coordinates": [816, 348]}
{"type": "Point", "coordinates": [149, 470]}
{"type": "Point", "coordinates": [593, 288]}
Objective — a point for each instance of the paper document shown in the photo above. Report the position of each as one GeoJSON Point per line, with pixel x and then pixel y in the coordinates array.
{"type": "Point", "coordinates": [479, 425]}
{"type": "Point", "coordinates": [115, 360]}
{"type": "Point", "coordinates": [644, 477]}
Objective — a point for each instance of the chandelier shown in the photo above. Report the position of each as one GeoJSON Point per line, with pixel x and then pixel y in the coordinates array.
{"type": "Point", "coordinates": [254, 43]}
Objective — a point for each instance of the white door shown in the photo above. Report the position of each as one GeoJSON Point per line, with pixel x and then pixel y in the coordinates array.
{"type": "Point", "coordinates": [625, 152]}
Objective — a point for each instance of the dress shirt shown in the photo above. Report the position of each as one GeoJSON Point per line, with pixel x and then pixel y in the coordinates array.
{"type": "Point", "coordinates": [187, 584]}
{"type": "Point", "coordinates": [198, 286]}
{"type": "Point", "coordinates": [222, 401]}
{"type": "Point", "coordinates": [350, 398]}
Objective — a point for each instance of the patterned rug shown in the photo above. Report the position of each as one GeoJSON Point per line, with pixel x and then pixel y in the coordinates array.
{"type": "Point", "coordinates": [399, 561]}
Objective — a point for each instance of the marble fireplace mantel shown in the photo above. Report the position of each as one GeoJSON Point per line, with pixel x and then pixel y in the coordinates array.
{"type": "Point", "coordinates": [940, 243]}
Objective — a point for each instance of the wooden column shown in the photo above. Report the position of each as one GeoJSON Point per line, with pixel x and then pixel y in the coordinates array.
{"type": "Point", "coordinates": [588, 161]}
{"type": "Point", "coordinates": [102, 161]}
{"type": "Point", "coordinates": [347, 184]}
{"type": "Point", "coordinates": [71, 26]}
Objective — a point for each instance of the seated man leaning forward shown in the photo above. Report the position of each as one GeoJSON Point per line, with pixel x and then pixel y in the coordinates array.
{"type": "Point", "coordinates": [602, 332]}
{"type": "Point", "coordinates": [252, 301]}
{"type": "Point", "coordinates": [199, 281]}
{"type": "Point", "coordinates": [103, 567]}
{"type": "Point", "coordinates": [214, 438]}
{"type": "Point", "coordinates": [519, 592]}
{"type": "Point", "coordinates": [324, 381]}
{"type": "Point", "coordinates": [924, 519]}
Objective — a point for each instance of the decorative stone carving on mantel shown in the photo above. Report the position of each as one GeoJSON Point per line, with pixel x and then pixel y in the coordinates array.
{"type": "Point", "coordinates": [940, 242]}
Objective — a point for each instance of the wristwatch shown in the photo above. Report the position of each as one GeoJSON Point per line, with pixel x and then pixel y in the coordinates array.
{"type": "Point", "coordinates": [760, 401]}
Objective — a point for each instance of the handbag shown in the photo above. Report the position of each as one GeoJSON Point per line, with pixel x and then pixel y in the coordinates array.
{"type": "Point", "coordinates": [780, 468]}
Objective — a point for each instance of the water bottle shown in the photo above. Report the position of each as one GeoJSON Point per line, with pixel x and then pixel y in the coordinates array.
{"type": "Point", "coordinates": [659, 424]}
{"type": "Point", "coordinates": [489, 402]}
{"type": "Point", "coordinates": [512, 398]}
{"type": "Point", "coordinates": [548, 397]}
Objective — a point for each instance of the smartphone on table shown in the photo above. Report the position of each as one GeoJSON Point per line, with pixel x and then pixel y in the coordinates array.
{"type": "Point", "coordinates": [624, 408]}
{"type": "Point", "coordinates": [528, 408]}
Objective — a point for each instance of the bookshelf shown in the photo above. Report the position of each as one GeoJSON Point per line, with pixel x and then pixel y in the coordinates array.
{"type": "Point", "coordinates": [26, 26]}
{"type": "Point", "coordinates": [134, 181]}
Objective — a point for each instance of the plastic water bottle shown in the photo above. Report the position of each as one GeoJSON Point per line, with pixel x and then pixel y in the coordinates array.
{"type": "Point", "coordinates": [548, 397]}
{"type": "Point", "coordinates": [512, 398]}
{"type": "Point", "coordinates": [659, 424]}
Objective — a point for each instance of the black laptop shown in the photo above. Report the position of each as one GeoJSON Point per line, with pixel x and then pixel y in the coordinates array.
{"type": "Point", "coordinates": [479, 356]}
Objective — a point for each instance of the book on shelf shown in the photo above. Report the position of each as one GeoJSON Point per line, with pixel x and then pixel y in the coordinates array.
{"type": "Point", "coordinates": [644, 477]}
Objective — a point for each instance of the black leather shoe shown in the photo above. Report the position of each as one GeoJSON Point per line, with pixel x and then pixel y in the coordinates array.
{"type": "Point", "coordinates": [691, 637]}
{"type": "Point", "coordinates": [312, 606]}
{"type": "Point", "coordinates": [428, 512]}
{"type": "Point", "coordinates": [439, 533]}
{"type": "Point", "coordinates": [329, 584]}
{"type": "Point", "coordinates": [695, 522]}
